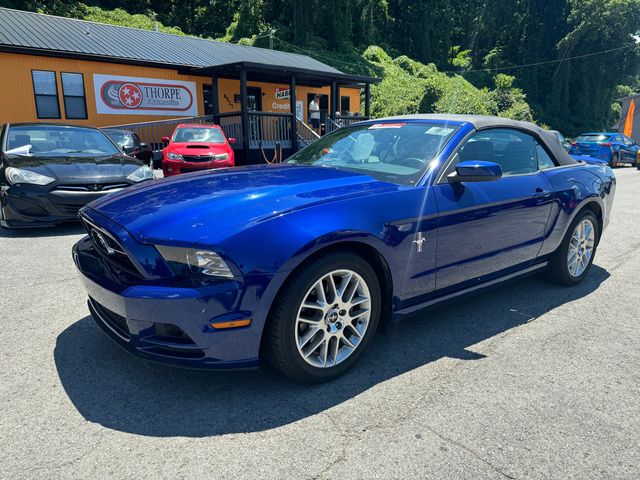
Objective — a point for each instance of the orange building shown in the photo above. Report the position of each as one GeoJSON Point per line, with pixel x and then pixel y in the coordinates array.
{"type": "Point", "coordinates": [74, 71]}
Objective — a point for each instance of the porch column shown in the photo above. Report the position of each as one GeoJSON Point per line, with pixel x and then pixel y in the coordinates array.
{"type": "Point", "coordinates": [244, 113]}
{"type": "Point", "coordinates": [332, 103]}
{"type": "Point", "coordinates": [367, 100]}
{"type": "Point", "coordinates": [338, 101]}
{"type": "Point", "coordinates": [292, 106]}
{"type": "Point", "coordinates": [214, 98]}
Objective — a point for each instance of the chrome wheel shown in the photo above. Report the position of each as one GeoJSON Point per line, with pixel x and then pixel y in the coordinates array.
{"type": "Point", "coordinates": [333, 318]}
{"type": "Point", "coordinates": [581, 248]}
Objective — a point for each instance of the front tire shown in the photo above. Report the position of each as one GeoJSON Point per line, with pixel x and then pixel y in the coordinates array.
{"type": "Point", "coordinates": [573, 259]}
{"type": "Point", "coordinates": [325, 318]}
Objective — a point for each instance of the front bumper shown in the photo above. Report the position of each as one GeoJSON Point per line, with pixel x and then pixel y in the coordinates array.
{"type": "Point", "coordinates": [176, 167]}
{"type": "Point", "coordinates": [166, 324]}
{"type": "Point", "coordinates": [33, 206]}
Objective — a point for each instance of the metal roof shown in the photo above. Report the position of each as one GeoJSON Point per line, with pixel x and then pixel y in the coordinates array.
{"type": "Point", "coordinates": [51, 35]}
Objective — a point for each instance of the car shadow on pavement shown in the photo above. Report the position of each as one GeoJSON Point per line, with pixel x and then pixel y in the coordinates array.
{"type": "Point", "coordinates": [75, 228]}
{"type": "Point", "coordinates": [121, 392]}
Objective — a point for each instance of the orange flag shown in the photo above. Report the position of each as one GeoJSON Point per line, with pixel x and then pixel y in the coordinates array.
{"type": "Point", "coordinates": [628, 123]}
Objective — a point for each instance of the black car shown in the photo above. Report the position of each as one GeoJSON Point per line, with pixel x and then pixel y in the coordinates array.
{"type": "Point", "coordinates": [49, 171]}
{"type": "Point", "coordinates": [130, 143]}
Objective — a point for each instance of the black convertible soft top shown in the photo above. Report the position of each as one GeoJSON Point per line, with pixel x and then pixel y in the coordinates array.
{"type": "Point", "coordinates": [481, 122]}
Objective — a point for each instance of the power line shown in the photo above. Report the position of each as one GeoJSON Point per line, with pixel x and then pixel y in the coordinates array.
{"type": "Point", "coordinates": [546, 62]}
{"type": "Point", "coordinates": [462, 72]}
{"type": "Point", "coordinates": [314, 54]}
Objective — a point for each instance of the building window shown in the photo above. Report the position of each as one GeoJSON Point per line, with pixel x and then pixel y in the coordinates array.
{"type": "Point", "coordinates": [45, 90]}
{"type": "Point", "coordinates": [345, 105]}
{"type": "Point", "coordinates": [75, 106]}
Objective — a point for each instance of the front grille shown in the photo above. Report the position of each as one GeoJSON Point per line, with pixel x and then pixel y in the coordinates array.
{"type": "Point", "coordinates": [111, 251]}
{"type": "Point", "coordinates": [92, 187]}
{"type": "Point", "coordinates": [116, 322]}
{"type": "Point", "coordinates": [189, 170]}
{"type": "Point", "coordinates": [197, 158]}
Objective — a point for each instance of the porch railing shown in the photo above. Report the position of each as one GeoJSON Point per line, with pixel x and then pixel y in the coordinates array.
{"type": "Point", "coordinates": [268, 129]}
{"type": "Point", "coordinates": [232, 127]}
{"type": "Point", "coordinates": [341, 121]}
{"type": "Point", "coordinates": [306, 135]}
{"type": "Point", "coordinates": [151, 133]}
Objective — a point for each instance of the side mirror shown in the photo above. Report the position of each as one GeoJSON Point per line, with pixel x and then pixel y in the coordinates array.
{"type": "Point", "coordinates": [143, 146]}
{"type": "Point", "coordinates": [165, 139]}
{"type": "Point", "coordinates": [476, 171]}
{"type": "Point", "coordinates": [231, 140]}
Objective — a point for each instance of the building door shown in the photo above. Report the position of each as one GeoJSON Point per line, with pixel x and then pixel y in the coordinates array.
{"type": "Point", "coordinates": [254, 99]}
{"type": "Point", "coordinates": [254, 104]}
{"type": "Point", "coordinates": [207, 104]}
{"type": "Point", "coordinates": [324, 105]}
{"type": "Point", "coordinates": [345, 106]}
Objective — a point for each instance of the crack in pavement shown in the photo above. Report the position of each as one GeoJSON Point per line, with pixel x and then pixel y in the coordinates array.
{"type": "Point", "coordinates": [469, 450]}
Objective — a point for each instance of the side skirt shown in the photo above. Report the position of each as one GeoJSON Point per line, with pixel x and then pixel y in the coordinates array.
{"type": "Point", "coordinates": [400, 314]}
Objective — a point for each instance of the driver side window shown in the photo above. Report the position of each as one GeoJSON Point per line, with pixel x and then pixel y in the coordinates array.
{"type": "Point", "coordinates": [518, 153]}
{"type": "Point", "coordinates": [514, 151]}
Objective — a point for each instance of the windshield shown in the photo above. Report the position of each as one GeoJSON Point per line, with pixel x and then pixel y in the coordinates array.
{"type": "Point", "coordinates": [593, 138]}
{"type": "Point", "coordinates": [195, 134]}
{"type": "Point", "coordinates": [52, 141]}
{"type": "Point", "coordinates": [391, 152]}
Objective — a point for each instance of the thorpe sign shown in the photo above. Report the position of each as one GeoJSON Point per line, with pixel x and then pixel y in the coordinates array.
{"type": "Point", "coordinates": [144, 96]}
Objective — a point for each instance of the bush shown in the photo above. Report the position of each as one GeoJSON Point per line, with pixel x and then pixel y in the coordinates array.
{"type": "Point", "coordinates": [409, 87]}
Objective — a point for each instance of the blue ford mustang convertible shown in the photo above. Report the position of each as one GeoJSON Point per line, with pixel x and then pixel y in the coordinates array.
{"type": "Point", "coordinates": [303, 262]}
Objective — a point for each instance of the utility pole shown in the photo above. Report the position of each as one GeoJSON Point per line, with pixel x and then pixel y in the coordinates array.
{"type": "Point", "coordinates": [271, 32]}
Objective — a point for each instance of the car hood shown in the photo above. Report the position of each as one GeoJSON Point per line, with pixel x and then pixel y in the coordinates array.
{"type": "Point", "coordinates": [75, 168]}
{"type": "Point", "coordinates": [197, 148]}
{"type": "Point", "coordinates": [187, 208]}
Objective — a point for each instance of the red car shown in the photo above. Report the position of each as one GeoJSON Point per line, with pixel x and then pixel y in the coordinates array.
{"type": "Point", "coordinates": [194, 147]}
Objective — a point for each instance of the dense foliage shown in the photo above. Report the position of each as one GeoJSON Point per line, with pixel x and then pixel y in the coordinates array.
{"type": "Point", "coordinates": [409, 86]}
{"type": "Point", "coordinates": [548, 49]}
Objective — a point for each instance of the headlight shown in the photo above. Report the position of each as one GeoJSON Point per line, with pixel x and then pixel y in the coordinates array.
{"type": "Point", "coordinates": [174, 156]}
{"type": "Point", "coordinates": [184, 261]}
{"type": "Point", "coordinates": [16, 175]}
{"type": "Point", "coordinates": [220, 156]}
{"type": "Point", "coordinates": [142, 173]}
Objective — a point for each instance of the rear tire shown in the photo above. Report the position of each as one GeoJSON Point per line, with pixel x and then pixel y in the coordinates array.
{"type": "Point", "coordinates": [572, 260]}
{"type": "Point", "coordinates": [615, 158]}
{"type": "Point", "coordinates": [316, 335]}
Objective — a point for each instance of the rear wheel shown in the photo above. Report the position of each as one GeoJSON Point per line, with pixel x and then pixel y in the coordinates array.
{"type": "Point", "coordinates": [325, 318]}
{"type": "Point", "coordinates": [573, 259]}
{"type": "Point", "coordinates": [615, 158]}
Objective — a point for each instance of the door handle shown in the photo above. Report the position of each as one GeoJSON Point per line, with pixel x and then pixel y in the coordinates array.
{"type": "Point", "coordinates": [541, 193]}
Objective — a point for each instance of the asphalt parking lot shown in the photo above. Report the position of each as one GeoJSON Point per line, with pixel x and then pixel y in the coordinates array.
{"type": "Point", "coordinates": [530, 380]}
